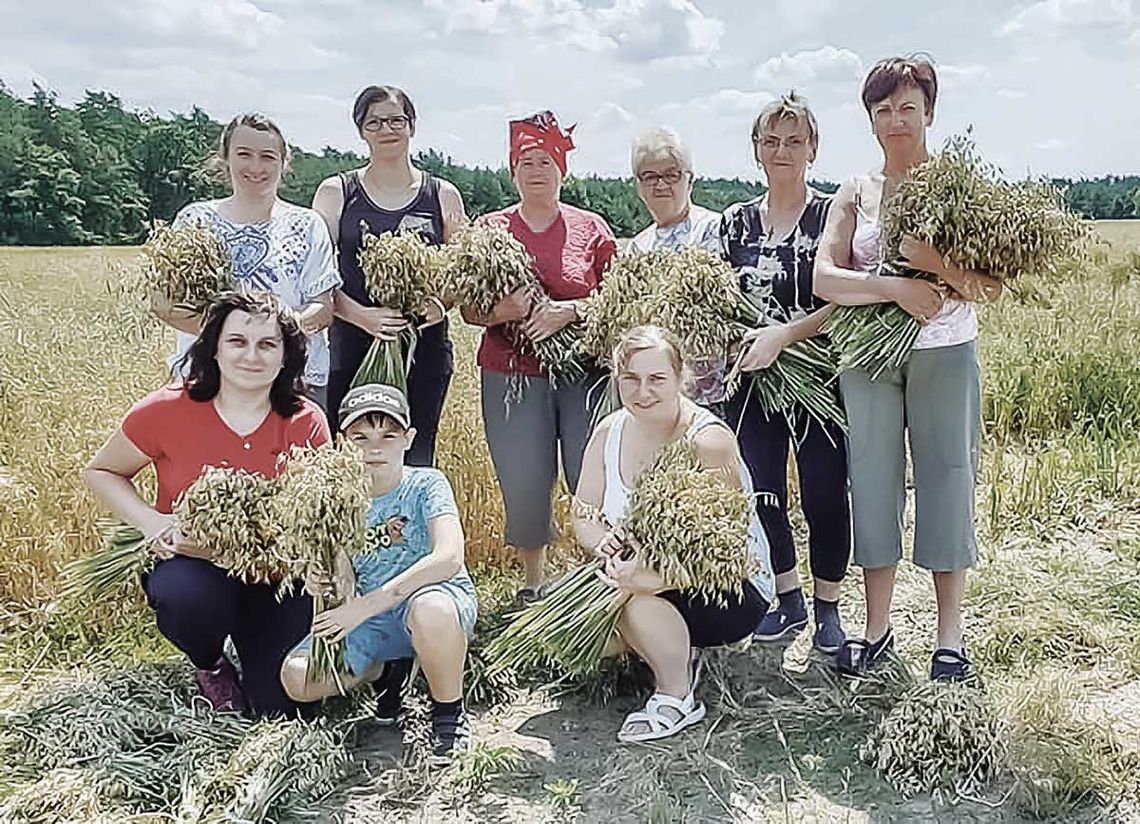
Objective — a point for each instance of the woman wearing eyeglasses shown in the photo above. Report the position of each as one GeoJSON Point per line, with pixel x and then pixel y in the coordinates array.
{"type": "Point", "coordinates": [389, 195]}
{"type": "Point", "coordinates": [663, 173]}
{"type": "Point", "coordinates": [772, 241]}
{"type": "Point", "coordinates": [663, 170]}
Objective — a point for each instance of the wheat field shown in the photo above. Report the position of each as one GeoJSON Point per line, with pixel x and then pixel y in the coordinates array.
{"type": "Point", "coordinates": [1052, 610]}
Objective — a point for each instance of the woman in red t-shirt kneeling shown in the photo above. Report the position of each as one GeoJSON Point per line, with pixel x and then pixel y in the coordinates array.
{"type": "Point", "coordinates": [242, 406]}
{"type": "Point", "coordinates": [572, 248]}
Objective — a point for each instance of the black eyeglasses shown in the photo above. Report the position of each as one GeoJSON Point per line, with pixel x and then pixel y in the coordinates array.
{"type": "Point", "coordinates": [653, 178]}
{"type": "Point", "coordinates": [396, 123]}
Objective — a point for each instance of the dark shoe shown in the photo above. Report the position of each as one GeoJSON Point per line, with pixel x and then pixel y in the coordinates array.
{"type": "Point", "coordinates": [950, 665]}
{"type": "Point", "coordinates": [858, 655]}
{"type": "Point", "coordinates": [450, 732]}
{"type": "Point", "coordinates": [780, 624]}
{"type": "Point", "coordinates": [829, 636]}
{"type": "Point", "coordinates": [389, 688]}
{"type": "Point", "coordinates": [221, 687]}
{"type": "Point", "coordinates": [528, 595]}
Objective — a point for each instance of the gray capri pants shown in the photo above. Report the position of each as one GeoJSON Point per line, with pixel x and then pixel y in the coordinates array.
{"type": "Point", "coordinates": [524, 441]}
{"type": "Point", "coordinates": [936, 399]}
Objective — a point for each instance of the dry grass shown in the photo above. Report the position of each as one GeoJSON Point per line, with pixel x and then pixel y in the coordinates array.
{"type": "Point", "coordinates": [1052, 609]}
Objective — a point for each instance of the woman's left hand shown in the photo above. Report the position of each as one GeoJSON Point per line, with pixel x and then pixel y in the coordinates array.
{"type": "Point", "coordinates": [548, 317]}
{"type": "Point", "coordinates": [336, 624]}
{"type": "Point", "coordinates": [630, 576]}
{"type": "Point", "coordinates": [764, 346]}
{"type": "Point", "coordinates": [918, 254]}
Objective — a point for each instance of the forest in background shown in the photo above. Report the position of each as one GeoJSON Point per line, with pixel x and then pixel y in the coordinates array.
{"type": "Point", "coordinates": [97, 173]}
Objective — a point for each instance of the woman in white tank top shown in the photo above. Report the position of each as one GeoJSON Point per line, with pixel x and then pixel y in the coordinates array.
{"type": "Point", "coordinates": [663, 626]}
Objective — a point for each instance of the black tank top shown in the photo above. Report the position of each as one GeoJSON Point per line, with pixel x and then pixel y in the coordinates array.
{"type": "Point", "coordinates": [424, 215]}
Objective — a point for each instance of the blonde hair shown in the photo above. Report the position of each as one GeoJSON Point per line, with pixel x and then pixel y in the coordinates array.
{"type": "Point", "coordinates": [649, 338]}
{"type": "Point", "coordinates": [790, 106]}
{"type": "Point", "coordinates": [660, 143]}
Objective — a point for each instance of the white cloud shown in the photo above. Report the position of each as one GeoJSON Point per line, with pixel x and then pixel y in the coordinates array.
{"type": "Point", "coordinates": [1053, 17]}
{"type": "Point", "coordinates": [637, 31]}
{"type": "Point", "coordinates": [814, 68]}
{"type": "Point", "coordinates": [1012, 94]}
{"type": "Point", "coordinates": [962, 77]}
{"type": "Point", "coordinates": [1052, 144]}
{"type": "Point", "coordinates": [805, 14]}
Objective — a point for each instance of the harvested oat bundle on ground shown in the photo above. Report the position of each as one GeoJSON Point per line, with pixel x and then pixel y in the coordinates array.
{"type": "Point", "coordinates": [400, 272]}
{"type": "Point", "coordinates": [319, 509]}
{"type": "Point", "coordinates": [959, 204]}
{"type": "Point", "coordinates": [485, 264]}
{"type": "Point", "coordinates": [280, 769]}
{"type": "Point", "coordinates": [125, 554]}
{"type": "Point", "coordinates": [939, 737]}
{"type": "Point", "coordinates": [187, 266]}
{"type": "Point", "coordinates": [682, 521]}
{"type": "Point", "coordinates": [226, 513]}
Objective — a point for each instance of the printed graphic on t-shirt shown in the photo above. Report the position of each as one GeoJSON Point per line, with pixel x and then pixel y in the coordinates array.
{"type": "Point", "coordinates": [385, 534]}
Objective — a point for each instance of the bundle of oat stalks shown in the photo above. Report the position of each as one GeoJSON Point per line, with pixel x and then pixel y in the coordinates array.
{"type": "Point", "coordinates": [959, 204]}
{"type": "Point", "coordinates": [683, 522]}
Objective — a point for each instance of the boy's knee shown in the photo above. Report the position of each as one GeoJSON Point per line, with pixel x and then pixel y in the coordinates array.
{"type": "Point", "coordinates": [295, 677]}
{"type": "Point", "coordinates": [433, 614]}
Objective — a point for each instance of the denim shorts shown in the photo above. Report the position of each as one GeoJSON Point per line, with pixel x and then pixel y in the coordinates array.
{"type": "Point", "coordinates": [386, 637]}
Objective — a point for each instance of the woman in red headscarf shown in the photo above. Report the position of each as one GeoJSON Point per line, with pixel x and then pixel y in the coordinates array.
{"type": "Point", "coordinates": [571, 248]}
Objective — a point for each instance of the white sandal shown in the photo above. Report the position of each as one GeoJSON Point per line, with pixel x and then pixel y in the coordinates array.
{"type": "Point", "coordinates": [662, 725]}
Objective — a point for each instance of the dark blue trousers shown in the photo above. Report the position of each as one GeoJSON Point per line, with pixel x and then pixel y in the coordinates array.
{"type": "Point", "coordinates": [822, 466]}
{"type": "Point", "coordinates": [197, 605]}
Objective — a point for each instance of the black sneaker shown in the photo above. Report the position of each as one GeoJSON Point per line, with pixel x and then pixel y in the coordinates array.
{"type": "Point", "coordinates": [389, 689]}
{"type": "Point", "coordinates": [950, 665]}
{"type": "Point", "coordinates": [858, 655]}
{"type": "Point", "coordinates": [450, 732]}
{"type": "Point", "coordinates": [829, 637]}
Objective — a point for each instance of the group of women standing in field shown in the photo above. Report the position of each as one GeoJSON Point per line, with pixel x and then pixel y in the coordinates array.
{"type": "Point", "coordinates": [798, 251]}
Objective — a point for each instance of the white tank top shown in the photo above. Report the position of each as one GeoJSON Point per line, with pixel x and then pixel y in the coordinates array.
{"type": "Point", "coordinates": [957, 320]}
{"type": "Point", "coordinates": [615, 497]}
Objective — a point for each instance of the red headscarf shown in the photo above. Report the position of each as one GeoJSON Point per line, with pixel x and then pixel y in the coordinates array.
{"type": "Point", "coordinates": [540, 131]}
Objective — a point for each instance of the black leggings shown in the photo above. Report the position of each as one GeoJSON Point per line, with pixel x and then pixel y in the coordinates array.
{"type": "Point", "coordinates": [822, 465]}
{"type": "Point", "coordinates": [428, 381]}
{"type": "Point", "coordinates": [196, 605]}
{"type": "Point", "coordinates": [713, 625]}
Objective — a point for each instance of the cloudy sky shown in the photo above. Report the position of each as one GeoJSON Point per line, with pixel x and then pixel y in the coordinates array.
{"type": "Point", "coordinates": [1050, 86]}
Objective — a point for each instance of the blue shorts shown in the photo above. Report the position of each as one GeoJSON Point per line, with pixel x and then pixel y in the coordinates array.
{"type": "Point", "coordinates": [386, 637]}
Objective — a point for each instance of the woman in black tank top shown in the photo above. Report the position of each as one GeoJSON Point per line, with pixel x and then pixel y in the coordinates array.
{"type": "Point", "coordinates": [388, 195]}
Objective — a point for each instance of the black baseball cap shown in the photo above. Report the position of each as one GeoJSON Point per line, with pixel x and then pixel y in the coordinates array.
{"type": "Point", "coordinates": [375, 397]}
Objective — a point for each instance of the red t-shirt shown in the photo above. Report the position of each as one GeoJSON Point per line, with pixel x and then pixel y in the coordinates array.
{"type": "Point", "coordinates": [184, 436]}
{"type": "Point", "coordinates": [570, 257]}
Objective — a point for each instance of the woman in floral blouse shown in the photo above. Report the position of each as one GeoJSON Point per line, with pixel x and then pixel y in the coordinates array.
{"type": "Point", "coordinates": [772, 241]}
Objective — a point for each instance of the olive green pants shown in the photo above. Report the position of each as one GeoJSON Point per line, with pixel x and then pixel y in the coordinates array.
{"type": "Point", "coordinates": [935, 400]}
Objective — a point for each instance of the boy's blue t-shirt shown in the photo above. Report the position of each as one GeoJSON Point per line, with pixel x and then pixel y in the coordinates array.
{"type": "Point", "coordinates": [397, 535]}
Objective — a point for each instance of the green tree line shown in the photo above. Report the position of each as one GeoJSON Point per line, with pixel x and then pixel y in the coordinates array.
{"type": "Point", "coordinates": [98, 173]}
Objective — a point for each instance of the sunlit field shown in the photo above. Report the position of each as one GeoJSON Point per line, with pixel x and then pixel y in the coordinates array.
{"type": "Point", "coordinates": [94, 704]}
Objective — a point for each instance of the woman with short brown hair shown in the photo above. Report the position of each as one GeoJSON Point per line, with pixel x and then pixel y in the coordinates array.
{"type": "Point", "coordinates": [933, 400]}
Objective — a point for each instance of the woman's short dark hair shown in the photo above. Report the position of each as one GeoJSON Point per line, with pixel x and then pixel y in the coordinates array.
{"type": "Point", "coordinates": [890, 73]}
{"type": "Point", "coordinates": [378, 94]}
{"type": "Point", "coordinates": [204, 378]}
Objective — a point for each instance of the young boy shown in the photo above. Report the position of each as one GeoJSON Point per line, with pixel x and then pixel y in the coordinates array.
{"type": "Point", "coordinates": [413, 593]}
